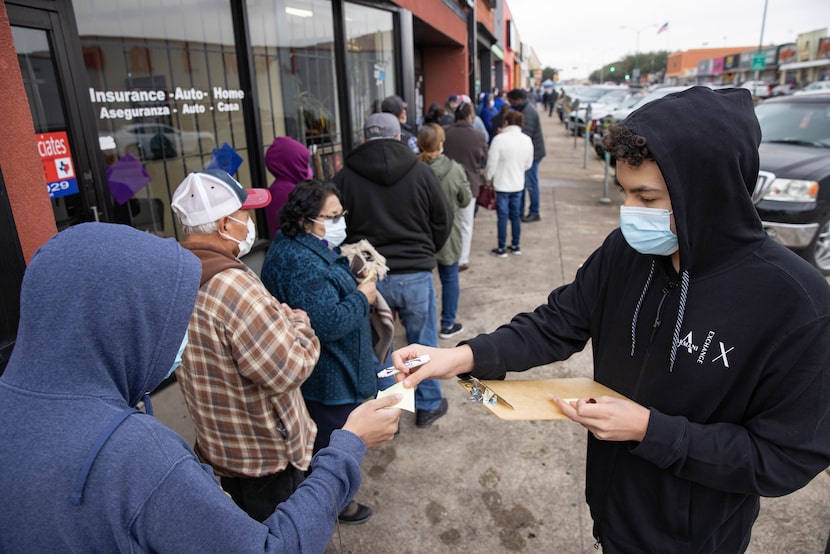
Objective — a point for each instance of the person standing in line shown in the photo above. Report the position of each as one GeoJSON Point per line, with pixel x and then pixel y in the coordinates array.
{"type": "Point", "coordinates": [511, 154]}
{"type": "Point", "coordinates": [435, 114]}
{"type": "Point", "coordinates": [467, 146]}
{"type": "Point", "coordinates": [397, 107]}
{"type": "Point", "coordinates": [247, 353]}
{"type": "Point", "coordinates": [396, 203]}
{"type": "Point", "coordinates": [288, 161]}
{"type": "Point", "coordinates": [454, 182]}
{"type": "Point", "coordinates": [532, 128]}
{"type": "Point", "coordinates": [717, 336]}
{"type": "Point", "coordinates": [449, 113]}
{"type": "Point", "coordinates": [486, 111]}
{"type": "Point", "coordinates": [83, 469]}
{"type": "Point", "coordinates": [304, 268]}
{"type": "Point", "coordinates": [498, 121]}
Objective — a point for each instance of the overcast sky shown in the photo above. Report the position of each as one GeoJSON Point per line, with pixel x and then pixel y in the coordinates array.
{"type": "Point", "coordinates": [579, 37]}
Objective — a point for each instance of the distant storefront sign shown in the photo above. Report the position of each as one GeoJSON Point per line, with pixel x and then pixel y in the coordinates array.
{"type": "Point", "coordinates": [786, 53]}
{"type": "Point", "coordinates": [57, 164]}
{"type": "Point", "coordinates": [730, 62]}
{"type": "Point", "coordinates": [759, 62]}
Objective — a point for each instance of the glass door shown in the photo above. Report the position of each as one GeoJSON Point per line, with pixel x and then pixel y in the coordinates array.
{"type": "Point", "coordinates": [67, 154]}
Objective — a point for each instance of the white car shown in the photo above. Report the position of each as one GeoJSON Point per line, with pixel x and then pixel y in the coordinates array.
{"type": "Point", "coordinates": [157, 141]}
{"type": "Point", "coordinates": [761, 89]}
{"type": "Point", "coordinates": [815, 88]}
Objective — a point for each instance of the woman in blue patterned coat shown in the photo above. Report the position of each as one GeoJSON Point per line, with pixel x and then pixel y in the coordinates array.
{"type": "Point", "coordinates": [304, 269]}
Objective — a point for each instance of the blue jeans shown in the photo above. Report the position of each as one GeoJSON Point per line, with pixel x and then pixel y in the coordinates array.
{"type": "Point", "coordinates": [508, 207]}
{"type": "Point", "coordinates": [449, 293]}
{"type": "Point", "coordinates": [532, 188]}
{"type": "Point", "coordinates": [412, 295]}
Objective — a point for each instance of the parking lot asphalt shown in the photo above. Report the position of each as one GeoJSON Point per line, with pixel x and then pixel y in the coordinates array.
{"type": "Point", "coordinates": [475, 483]}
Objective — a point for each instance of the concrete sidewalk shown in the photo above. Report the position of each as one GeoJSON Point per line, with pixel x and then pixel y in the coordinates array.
{"type": "Point", "coordinates": [475, 483]}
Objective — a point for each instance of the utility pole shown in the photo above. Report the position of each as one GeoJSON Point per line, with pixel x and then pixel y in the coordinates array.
{"type": "Point", "coordinates": [760, 46]}
{"type": "Point", "coordinates": [636, 73]}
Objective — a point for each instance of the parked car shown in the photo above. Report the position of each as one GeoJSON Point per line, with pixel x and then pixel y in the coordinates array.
{"type": "Point", "coordinates": [761, 89]}
{"type": "Point", "coordinates": [792, 194]}
{"type": "Point", "coordinates": [783, 90]}
{"type": "Point", "coordinates": [815, 88]}
{"type": "Point", "coordinates": [598, 130]}
{"type": "Point", "coordinates": [610, 100]}
{"type": "Point", "coordinates": [156, 141]}
{"type": "Point", "coordinates": [583, 97]}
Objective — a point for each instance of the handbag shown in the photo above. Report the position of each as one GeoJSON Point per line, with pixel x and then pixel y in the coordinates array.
{"type": "Point", "coordinates": [487, 197]}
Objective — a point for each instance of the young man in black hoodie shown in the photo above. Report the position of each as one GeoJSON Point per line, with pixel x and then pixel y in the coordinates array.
{"type": "Point", "coordinates": [396, 202]}
{"type": "Point", "coordinates": [718, 336]}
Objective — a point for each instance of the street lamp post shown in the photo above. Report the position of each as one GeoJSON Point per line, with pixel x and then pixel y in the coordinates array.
{"type": "Point", "coordinates": [637, 30]}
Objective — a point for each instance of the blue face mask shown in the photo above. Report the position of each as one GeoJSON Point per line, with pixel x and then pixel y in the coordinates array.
{"type": "Point", "coordinates": [648, 230]}
{"type": "Point", "coordinates": [178, 361]}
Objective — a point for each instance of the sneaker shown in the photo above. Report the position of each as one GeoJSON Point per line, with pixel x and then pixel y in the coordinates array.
{"type": "Point", "coordinates": [530, 218]}
{"type": "Point", "coordinates": [516, 250]}
{"type": "Point", "coordinates": [451, 331]}
{"type": "Point", "coordinates": [425, 418]}
{"type": "Point", "coordinates": [500, 252]}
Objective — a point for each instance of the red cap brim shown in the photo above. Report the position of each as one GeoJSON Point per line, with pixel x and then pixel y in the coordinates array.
{"type": "Point", "coordinates": [257, 198]}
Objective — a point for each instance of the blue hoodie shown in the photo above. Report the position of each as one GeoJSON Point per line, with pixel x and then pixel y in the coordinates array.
{"type": "Point", "coordinates": [103, 312]}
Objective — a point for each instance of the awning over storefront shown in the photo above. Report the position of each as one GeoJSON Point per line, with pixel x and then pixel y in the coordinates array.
{"type": "Point", "coordinates": [803, 65]}
{"type": "Point", "coordinates": [497, 51]}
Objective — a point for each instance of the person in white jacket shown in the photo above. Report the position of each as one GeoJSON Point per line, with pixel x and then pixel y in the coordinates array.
{"type": "Point", "coordinates": [511, 154]}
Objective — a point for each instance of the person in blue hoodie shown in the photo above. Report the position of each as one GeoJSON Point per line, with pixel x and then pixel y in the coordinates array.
{"type": "Point", "coordinates": [82, 469]}
{"type": "Point", "coordinates": [718, 337]}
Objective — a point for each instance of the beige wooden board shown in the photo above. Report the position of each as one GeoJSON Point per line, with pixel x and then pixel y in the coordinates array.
{"type": "Point", "coordinates": [533, 399]}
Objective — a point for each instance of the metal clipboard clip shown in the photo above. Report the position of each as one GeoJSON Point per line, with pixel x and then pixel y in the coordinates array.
{"type": "Point", "coordinates": [481, 393]}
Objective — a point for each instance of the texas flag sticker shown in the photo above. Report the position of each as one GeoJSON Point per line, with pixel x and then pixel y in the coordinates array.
{"type": "Point", "coordinates": [64, 168]}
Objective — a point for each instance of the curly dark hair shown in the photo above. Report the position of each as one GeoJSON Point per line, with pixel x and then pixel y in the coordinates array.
{"type": "Point", "coordinates": [304, 203]}
{"type": "Point", "coordinates": [625, 145]}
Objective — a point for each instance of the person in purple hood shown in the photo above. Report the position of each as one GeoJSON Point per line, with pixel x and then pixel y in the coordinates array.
{"type": "Point", "coordinates": [288, 160]}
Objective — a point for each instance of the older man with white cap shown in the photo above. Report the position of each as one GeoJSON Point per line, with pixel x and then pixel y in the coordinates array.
{"type": "Point", "coordinates": [247, 353]}
{"type": "Point", "coordinates": [396, 202]}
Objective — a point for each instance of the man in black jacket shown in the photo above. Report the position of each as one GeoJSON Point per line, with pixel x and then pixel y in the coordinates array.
{"type": "Point", "coordinates": [397, 107]}
{"type": "Point", "coordinates": [396, 203]}
{"type": "Point", "coordinates": [532, 128]}
{"type": "Point", "coordinates": [718, 337]}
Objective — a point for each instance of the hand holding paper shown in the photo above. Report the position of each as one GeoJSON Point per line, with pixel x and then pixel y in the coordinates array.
{"type": "Point", "coordinates": [372, 423]}
{"type": "Point", "coordinates": [407, 401]}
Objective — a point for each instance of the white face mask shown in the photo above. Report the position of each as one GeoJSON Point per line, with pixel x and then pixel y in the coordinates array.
{"type": "Point", "coordinates": [335, 231]}
{"type": "Point", "coordinates": [178, 361]}
{"type": "Point", "coordinates": [244, 245]}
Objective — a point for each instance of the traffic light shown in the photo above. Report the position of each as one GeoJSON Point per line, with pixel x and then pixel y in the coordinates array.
{"type": "Point", "coordinates": [627, 76]}
{"type": "Point", "coordinates": [613, 69]}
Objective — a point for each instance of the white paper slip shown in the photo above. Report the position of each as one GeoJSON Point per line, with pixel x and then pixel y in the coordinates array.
{"type": "Point", "coordinates": [408, 400]}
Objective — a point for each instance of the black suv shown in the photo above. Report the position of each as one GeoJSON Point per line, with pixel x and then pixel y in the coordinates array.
{"type": "Point", "coordinates": [792, 195]}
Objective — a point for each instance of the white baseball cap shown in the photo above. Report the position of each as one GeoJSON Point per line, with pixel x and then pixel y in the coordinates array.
{"type": "Point", "coordinates": [209, 195]}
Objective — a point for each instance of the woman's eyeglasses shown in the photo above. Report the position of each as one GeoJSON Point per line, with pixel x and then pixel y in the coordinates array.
{"type": "Point", "coordinates": [333, 218]}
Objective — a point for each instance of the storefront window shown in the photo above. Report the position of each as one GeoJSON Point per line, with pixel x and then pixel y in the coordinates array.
{"type": "Point", "coordinates": [164, 87]}
{"type": "Point", "coordinates": [293, 50]}
{"type": "Point", "coordinates": [370, 62]}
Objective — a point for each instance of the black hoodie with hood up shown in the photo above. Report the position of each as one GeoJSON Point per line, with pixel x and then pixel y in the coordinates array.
{"type": "Point", "coordinates": [731, 355]}
{"type": "Point", "coordinates": [396, 203]}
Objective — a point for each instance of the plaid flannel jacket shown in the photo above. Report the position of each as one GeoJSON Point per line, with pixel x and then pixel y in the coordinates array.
{"type": "Point", "coordinates": [241, 375]}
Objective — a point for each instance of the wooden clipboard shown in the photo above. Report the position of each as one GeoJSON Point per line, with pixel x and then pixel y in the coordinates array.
{"type": "Point", "coordinates": [521, 400]}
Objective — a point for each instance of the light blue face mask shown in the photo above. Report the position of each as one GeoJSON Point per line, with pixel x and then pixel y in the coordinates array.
{"type": "Point", "coordinates": [178, 361]}
{"type": "Point", "coordinates": [648, 230]}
